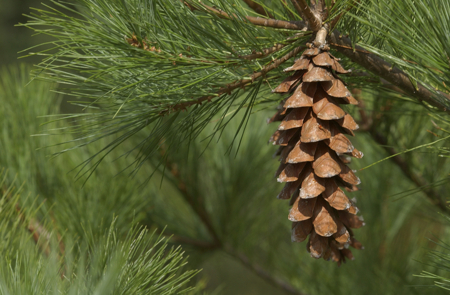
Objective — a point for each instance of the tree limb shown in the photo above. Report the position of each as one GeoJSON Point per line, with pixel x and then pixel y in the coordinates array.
{"type": "Point", "coordinates": [244, 260]}
{"type": "Point", "coordinates": [319, 6]}
{"type": "Point", "coordinates": [265, 22]}
{"type": "Point", "coordinates": [433, 196]}
{"type": "Point", "coordinates": [230, 87]}
{"type": "Point", "coordinates": [263, 273]}
{"type": "Point", "coordinates": [299, 10]}
{"type": "Point", "coordinates": [195, 205]}
{"type": "Point", "coordinates": [417, 179]}
{"type": "Point", "coordinates": [321, 9]}
{"type": "Point", "coordinates": [383, 69]}
{"type": "Point", "coordinates": [264, 53]}
{"type": "Point", "coordinates": [217, 244]}
{"type": "Point", "coordinates": [322, 5]}
{"type": "Point", "coordinates": [258, 8]}
{"type": "Point", "coordinates": [314, 23]}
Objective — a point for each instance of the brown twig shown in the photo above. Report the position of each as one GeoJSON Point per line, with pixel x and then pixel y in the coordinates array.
{"type": "Point", "coordinates": [232, 86]}
{"type": "Point", "coordinates": [314, 23]}
{"type": "Point", "coordinates": [144, 44]}
{"type": "Point", "coordinates": [321, 9]}
{"type": "Point", "coordinates": [299, 10]}
{"type": "Point", "coordinates": [383, 69]}
{"type": "Point", "coordinates": [258, 8]}
{"type": "Point", "coordinates": [265, 22]}
{"type": "Point", "coordinates": [318, 6]}
{"type": "Point", "coordinates": [349, 47]}
{"type": "Point", "coordinates": [264, 53]}
{"type": "Point", "coordinates": [268, 277]}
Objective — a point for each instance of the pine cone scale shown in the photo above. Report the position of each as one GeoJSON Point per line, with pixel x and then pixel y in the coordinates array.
{"type": "Point", "coordinates": [303, 96]}
{"type": "Point", "coordinates": [302, 209]}
{"type": "Point", "coordinates": [294, 119]}
{"type": "Point", "coordinates": [302, 152]}
{"type": "Point", "coordinates": [323, 60]}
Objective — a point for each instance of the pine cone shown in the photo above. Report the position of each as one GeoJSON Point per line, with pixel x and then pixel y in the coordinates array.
{"type": "Point", "coordinates": [313, 154]}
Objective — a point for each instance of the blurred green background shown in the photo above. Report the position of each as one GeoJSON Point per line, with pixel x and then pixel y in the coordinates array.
{"type": "Point", "coordinates": [14, 39]}
{"type": "Point", "coordinates": [237, 188]}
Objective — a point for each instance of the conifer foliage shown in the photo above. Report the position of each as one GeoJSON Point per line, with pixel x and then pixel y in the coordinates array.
{"type": "Point", "coordinates": [313, 154]}
{"type": "Point", "coordinates": [169, 68]}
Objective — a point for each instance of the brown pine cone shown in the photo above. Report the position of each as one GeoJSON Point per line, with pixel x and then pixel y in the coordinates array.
{"type": "Point", "coordinates": [313, 154]}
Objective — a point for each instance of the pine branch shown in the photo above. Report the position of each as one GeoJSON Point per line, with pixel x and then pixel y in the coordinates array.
{"type": "Point", "coordinates": [201, 212]}
{"type": "Point", "coordinates": [263, 273]}
{"type": "Point", "coordinates": [265, 22]}
{"type": "Point", "coordinates": [385, 70]}
{"type": "Point", "coordinates": [321, 9]}
{"type": "Point", "coordinates": [322, 5]}
{"type": "Point", "coordinates": [319, 6]}
{"type": "Point", "coordinates": [304, 10]}
{"type": "Point", "coordinates": [230, 87]}
{"type": "Point", "coordinates": [196, 205]}
{"type": "Point", "coordinates": [244, 260]}
{"type": "Point", "coordinates": [258, 8]}
{"type": "Point", "coordinates": [417, 179]}
{"type": "Point", "coordinates": [265, 52]}
{"type": "Point", "coordinates": [299, 10]}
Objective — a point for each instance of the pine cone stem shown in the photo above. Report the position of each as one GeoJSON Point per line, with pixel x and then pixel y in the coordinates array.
{"type": "Point", "coordinates": [321, 37]}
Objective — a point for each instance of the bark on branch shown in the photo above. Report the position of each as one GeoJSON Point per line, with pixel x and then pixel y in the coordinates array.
{"type": "Point", "coordinates": [258, 8]}
{"type": "Point", "coordinates": [314, 23]}
{"type": "Point", "coordinates": [383, 69]}
{"type": "Point", "coordinates": [264, 53]}
{"type": "Point", "coordinates": [265, 22]}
